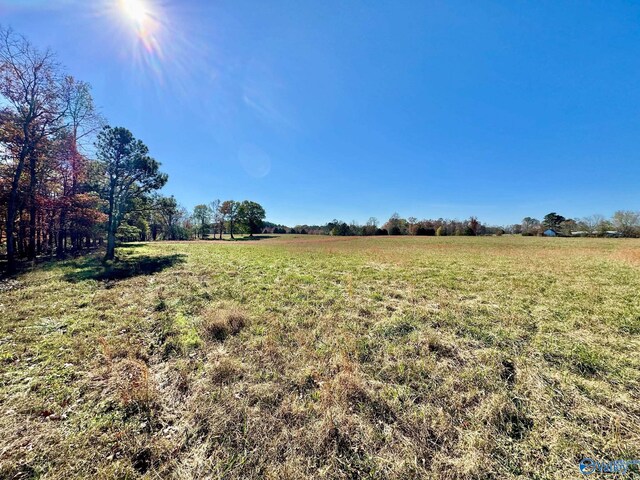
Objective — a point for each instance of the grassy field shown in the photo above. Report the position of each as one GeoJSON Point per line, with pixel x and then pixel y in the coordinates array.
{"type": "Point", "coordinates": [322, 357]}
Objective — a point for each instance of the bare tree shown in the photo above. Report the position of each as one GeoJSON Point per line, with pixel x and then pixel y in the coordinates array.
{"type": "Point", "coordinates": [592, 223]}
{"type": "Point", "coordinates": [627, 222]}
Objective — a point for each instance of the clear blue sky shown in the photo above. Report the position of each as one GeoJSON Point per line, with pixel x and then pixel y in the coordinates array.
{"type": "Point", "coordinates": [350, 109]}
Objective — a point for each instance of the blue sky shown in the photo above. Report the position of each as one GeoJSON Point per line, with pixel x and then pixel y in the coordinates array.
{"type": "Point", "coordinates": [349, 109]}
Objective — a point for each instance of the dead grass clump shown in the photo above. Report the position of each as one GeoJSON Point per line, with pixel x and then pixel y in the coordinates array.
{"type": "Point", "coordinates": [133, 384]}
{"type": "Point", "coordinates": [217, 325]}
{"type": "Point", "coordinates": [507, 416]}
{"type": "Point", "coordinates": [305, 382]}
{"type": "Point", "coordinates": [128, 347]}
{"type": "Point", "coordinates": [396, 328]}
{"type": "Point", "coordinates": [442, 348]}
{"type": "Point", "coordinates": [348, 392]}
{"type": "Point", "coordinates": [346, 389]}
{"type": "Point", "coordinates": [343, 447]}
{"type": "Point", "coordinates": [226, 371]}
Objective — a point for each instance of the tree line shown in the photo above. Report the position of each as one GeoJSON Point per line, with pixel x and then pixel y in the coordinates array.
{"type": "Point", "coordinates": [395, 225]}
{"type": "Point", "coordinates": [623, 223]}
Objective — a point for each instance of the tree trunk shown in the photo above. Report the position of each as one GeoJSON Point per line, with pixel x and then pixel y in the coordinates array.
{"type": "Point", "coordinates": [39, 237]}
{"type": "Point", "coordinates": [12, 210]}
{"type": "Point", "coordinates": [111, 225]}
{"type": "Point", "coordinates": [111, 244]}
{"type": "Point", "coordinates": [22, 234]}
{"type": "Point", "coordinates": [62, 234]}
{"type": "Point", "coordinates": [33, 210]}
{"type": "Point", "coordinates": [111, 237]}
{"type": "Point", "coordinates": [51, 235]}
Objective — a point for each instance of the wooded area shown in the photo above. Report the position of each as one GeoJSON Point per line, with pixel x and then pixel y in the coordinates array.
{"type": "Point", "coordinates": [69, 181]}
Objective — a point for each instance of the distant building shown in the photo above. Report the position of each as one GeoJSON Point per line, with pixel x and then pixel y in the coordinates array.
{"type": "Point", "coordinates": [550, 232]}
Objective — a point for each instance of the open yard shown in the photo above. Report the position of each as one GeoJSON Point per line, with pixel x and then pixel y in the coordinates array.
{"type": "Point", "coordinates": [296, 357]}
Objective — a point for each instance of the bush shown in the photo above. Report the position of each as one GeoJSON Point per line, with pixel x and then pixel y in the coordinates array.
{"type": "Point", "coordinates": [395, 231]}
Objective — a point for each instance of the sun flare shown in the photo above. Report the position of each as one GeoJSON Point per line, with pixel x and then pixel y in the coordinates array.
{"type": "Point", "coordinates": [135, 10]}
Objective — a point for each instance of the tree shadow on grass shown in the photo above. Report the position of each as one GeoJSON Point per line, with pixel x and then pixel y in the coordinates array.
{"type": "Point", "coordinates": [133, 245]}
{"type": "Point", "coordinates": [246, 238]}
{"type": "Point", "coordinates": [92, 268]}
{"type": "Point", "coordinates": [255, 238]}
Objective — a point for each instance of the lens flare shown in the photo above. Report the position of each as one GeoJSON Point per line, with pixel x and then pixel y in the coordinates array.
{"type": "Point", "coordinates": [158, 43]}
{"type": "Point", "coordinates": [135, 10]}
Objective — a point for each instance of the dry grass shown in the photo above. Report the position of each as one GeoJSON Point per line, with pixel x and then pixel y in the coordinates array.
{"type": "Point", "coordinates": [218, 324]}
{"type": "Point", "coordinates": [321, 357]}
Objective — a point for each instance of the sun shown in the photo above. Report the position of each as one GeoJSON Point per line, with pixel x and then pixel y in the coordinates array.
{"type": "Point", "coordinates": [135, 10]}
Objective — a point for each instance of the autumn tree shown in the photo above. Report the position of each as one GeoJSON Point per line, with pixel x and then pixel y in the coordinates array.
{"type": "Point", "coordinates": [395, 225]}
{"type": "Point", "coordinates": [81, 122]}
{"type": "Point", "coordinates": [128, 171]}
{"type": "Point", "coordinates": [32, 108]}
